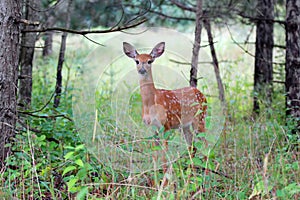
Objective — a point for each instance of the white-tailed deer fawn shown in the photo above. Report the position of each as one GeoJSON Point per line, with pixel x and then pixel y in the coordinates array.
{"type": "Point", "coordinates": [172, 109]}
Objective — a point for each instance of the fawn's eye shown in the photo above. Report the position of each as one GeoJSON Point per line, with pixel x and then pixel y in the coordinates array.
{"type": "Point", "coordinates": [150, 61]}
{"type": "Point", "coordinates": [137, 62]}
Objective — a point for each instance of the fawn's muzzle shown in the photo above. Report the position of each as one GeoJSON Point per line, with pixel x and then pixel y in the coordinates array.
{"type": "Point", "coordinates": [142, 71]}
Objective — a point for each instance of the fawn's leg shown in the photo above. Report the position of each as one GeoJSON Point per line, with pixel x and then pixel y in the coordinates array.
{"type": "Point", "coordinates": [155, 143]}
{"type": "Point", "coordinates": [198, 125]}
{"type": "Point", "coordinates": [189, 138]}
{"type": "Point", "coordinates": [164, 159]}
{"type": "Point", "coordinates": [164, 146]}
{"type": "Point", "coordinates": [162, 154]}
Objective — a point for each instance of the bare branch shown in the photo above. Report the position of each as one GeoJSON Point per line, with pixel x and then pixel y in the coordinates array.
{"type": "Point", "coordinates": [93, 40]}
{"type": "Point", "coordinates": [276, 81]}
{"type": "Point", "coordinates": [49, 116]}
{"type": "Point", "coordinates": [172, 17]}
{"type": "Point", "coordinates": [183, 6]}
{"type": "Point", "coordinates": [237, 43]}
{"type": "Point", "coordinates": [38, 110]}
{"type": "Point", "coordinates": [85, 32]}
{"type": "Point", "coordinates": [47, 9]}
{"type": "Point", "coordinates": [27, 127]}
{"type": "Point", "coordinates": [120, 20]}
{"type": "Point", "coordinates": [280, 46]}
{"type": "Point", "coordinates": [141, 14]}
{"type": "Point", "coordinates": [257, 18]}
{"type": "Point", "coordinates": [202, 62]}
{"type": "Point", "coordinates": [245, 50]}
{"type": "Point", "coordinates": [27, 22]}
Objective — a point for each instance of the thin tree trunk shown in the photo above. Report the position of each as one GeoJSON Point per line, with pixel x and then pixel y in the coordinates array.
{"type": "Point", "coordinates": [47, 49]}
{"type": "Point", "coordinates": [196, 46]}
{"type": "Point", "coordinates": [58, 86]}
{"type": "Point", "coordinates": [27, 53]}
{"type": "Point", "coordinates": [10, 14]}
{"type": "Point", "coordinates": [207, 26]}
{"type": "Point", "coordinates": [263, 72]}
{"type": "Point", "coordinates": [292, 68]}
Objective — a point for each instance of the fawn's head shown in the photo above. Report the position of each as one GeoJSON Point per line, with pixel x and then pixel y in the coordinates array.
{"type": "Point", "coordinates": [143, 61]}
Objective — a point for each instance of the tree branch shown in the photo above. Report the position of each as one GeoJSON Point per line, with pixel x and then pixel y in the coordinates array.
{"type": "Point", "coordinates": [257, 18]}
{"type": "Point", "coordinates": [49, 116]}
{"type": "Point", "coordinates": [28, 22]}
{"type": "Point", "coordinates": [202, 62]}
{"type": "Point", "coordinates": [183, 6]}
{"type": "Point", "coordinates": [28, 127]}
{"type": "Point", "coordinates": [42, 108]}
{"type": "Point", "coordinates": [245, 50]}
{"type": "Point", "coordinates": [85, 32]}
{"type": "Point", "coordinates": [171, 17]}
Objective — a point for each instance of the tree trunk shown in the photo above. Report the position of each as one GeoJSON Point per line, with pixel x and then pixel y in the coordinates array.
{"type": "Point", "coordinates": [27, 53]}
{"type": "Point", "coordinates": [196, 46]}
{"type": "Point", "coordinates": [10, 13]}
{"type": "Point", "coordinates": [207, 26]}
{"type": "Point", "coordinates": [292, 68]}
{"type": "Point", "coordinates": [47, 49]}
{"type": "Point", "coordinates": [58, 86]}
{"type": "Point", "coordinates": [263, 72]}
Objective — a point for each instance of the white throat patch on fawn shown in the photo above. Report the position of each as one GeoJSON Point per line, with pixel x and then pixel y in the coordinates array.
{"type": "Point", "coordinates": [171, 109]}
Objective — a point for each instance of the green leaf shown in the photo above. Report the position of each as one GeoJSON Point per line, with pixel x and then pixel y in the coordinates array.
{"type": "Point", "coordinates": [82, 193]}
{"type": "Point", "coordinates": [68, 169]}
{"type": "Point", "coordinates": [280, 193]}
{"type": "Point", "coordinates": [79, 162]}
{"type": "Point", "coordinates": [69, 147]}
{"type": "Point", "coordinates": [69, 155]}
{"type": "Point", "coordinates": [71, 183]}
{"type": "Point", "coordinates": [79, 147]}
{"type": "Point", "coordinates": [197, 161]}
{"type": "Point", "coordinates": [259, 189]}
{"type": "Point", "coordinates": [201, 135]}
{"type": "Point", "coordinates": [198, 144]}
{"type": "Point", "coordinates": [295, 166]}
{"type": "Point", "coordinates": [198, 112]}
{"type": "Point", "coordinates": [41, 138]}
{"type": "Point", "coordinates": [156, 148]}
{"type": "Point", "coordinates": [82, 174]}
{"type": "Point", "coordinates": [292, 189]}
{"type": "Point", "coordinates": [167, 134]}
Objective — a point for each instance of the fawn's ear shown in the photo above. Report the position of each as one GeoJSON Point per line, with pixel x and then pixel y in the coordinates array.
{"type": "Point", "coordinates": [158, 50]}
{"type": "Point", "coordinates": [129, 50]}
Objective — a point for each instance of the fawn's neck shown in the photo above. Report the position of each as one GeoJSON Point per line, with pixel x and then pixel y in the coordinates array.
{"type": "Point", "coordinates": [147, 89]}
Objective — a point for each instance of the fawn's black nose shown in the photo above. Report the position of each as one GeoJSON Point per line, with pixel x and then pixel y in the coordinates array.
{"type": "Point", "coordinates": [142, 71]}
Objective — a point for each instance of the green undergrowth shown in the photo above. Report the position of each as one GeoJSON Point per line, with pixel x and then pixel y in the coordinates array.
{"type": "Point", "coordinates": [254, 157]}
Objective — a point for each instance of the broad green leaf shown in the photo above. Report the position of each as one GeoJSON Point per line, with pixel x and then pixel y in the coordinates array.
{"type": "Point", "coordinates": [82, 193]}
{"type": "Point", "coordinates": [68, 169]}
{"type": "Point", "coordinates": [197, 161]}
{"type": "Point", "coordinates": [79, 162]}
{"type": "Point", "coordinates": [259, 189]}
{"type": "Point", "coordinates": [198, 144]}
{"type": "Point", "coordinates": [156, 148]}
{"type": "Point", "coordinates": [69, 155]}
{"type": "Point", "coordinates": [42, 137]}
{"type": "Point", "coordinates": [71, 183]}
{"type": "Point", "coordinates": [82, 174]}
{"type": "Point", "coordinates": [79, 147]}
{"type": "Point", "coordinates": [69, 147]}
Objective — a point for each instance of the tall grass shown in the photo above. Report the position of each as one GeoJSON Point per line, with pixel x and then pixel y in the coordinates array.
{"type": "Point", "coordinates": [254, 158]}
